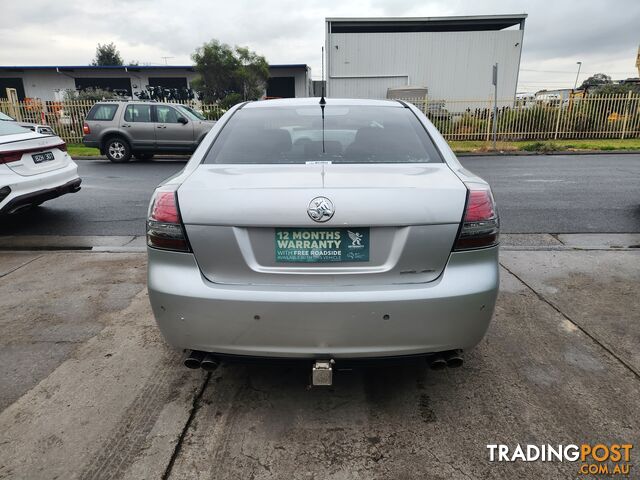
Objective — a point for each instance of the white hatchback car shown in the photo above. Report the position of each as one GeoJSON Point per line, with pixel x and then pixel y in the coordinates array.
{"type": "Point", "coordinates": [34, 168]}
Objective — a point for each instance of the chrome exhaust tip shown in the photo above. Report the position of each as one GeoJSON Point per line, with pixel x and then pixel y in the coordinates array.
{"type": "Point", "coordinates": [209, 363]}
{"type": "Point", "coordinates": [194, 359]}
{"type": "Point", "coordinates": [437, 362]}
{"type": "Point", "coordinates": [454, 358]}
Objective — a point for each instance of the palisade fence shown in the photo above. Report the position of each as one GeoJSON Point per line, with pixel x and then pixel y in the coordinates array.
{"type": "Point", "coordinates": [608, 116]}
{"type": "Point", "coordinates": [67, 118]}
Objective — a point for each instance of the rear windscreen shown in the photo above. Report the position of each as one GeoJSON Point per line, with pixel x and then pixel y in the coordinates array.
{"type": "Point", "coordinates": [102, 112]}
{"type": "Point", "coordinates": [343, 134]}
{"type": "Point", "coordinates": [11, 128]}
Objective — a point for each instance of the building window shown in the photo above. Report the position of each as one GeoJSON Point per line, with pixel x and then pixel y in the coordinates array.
{"type": "Point", "coordinates": [168, 82]}
{"type": "Point", "coordinates": [281, 87]}
{"type": "Point", "coordinates": [118, 85]}
{"type": "Point", "coordinates": [11, 83]}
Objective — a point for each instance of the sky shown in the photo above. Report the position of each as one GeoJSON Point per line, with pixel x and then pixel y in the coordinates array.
{"type": "Point", "coordinates": [603, 35]}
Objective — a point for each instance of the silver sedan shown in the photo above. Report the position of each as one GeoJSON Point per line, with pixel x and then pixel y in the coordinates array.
{"type": "Point", "coordinates": [326, 230]}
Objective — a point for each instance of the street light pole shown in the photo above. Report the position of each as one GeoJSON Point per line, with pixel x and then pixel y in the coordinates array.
{"type": "Point", "coordinates": [577, 75]}
{"type": "Point", "coordinates": [495, 105]}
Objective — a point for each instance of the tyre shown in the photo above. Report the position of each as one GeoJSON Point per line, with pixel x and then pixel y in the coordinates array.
{"type": "Point", "coordinates": [117, 150]}
{"type": "Point", "coordinates": [143, 156]}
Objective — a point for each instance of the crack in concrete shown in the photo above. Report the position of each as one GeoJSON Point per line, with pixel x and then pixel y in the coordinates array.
{"type": "Point", "coordinates": [20, 266]}
{"type": "Point", "coordinates": [195, 406]}
{"type": "Point", "coordinates": [132, 239]}
{"type": "Point", "coordinates": [557, 237]}
{"type": "Point", "coordinates": [578, 326]}
{"type": "Point", "coordinates": [251, 457]}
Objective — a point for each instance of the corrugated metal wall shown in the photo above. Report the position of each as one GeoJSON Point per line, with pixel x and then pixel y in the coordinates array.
{"type": "Point", "coordinates": [453, 65]}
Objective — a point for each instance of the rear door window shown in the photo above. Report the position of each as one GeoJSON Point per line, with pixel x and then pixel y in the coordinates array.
{"type": "Point", "coordinates": [137, 113]}
{"type": "Point", "coordinates": [102, 112]}
{"type": "Point", "coordinates": [340, 134]}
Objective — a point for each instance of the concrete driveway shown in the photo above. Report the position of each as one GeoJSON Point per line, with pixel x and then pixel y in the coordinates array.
{"type": "Point", "coordinates": [88, 389]}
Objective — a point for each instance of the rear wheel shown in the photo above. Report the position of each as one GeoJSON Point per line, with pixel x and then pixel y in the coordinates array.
{"type": "Point", "coordinates": [117, 150]}
{"type": "Point", "coordinates": [143, 156]}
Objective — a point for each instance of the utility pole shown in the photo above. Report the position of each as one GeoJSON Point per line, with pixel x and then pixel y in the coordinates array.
{"type": "Point", "coordinates": [495, 104]}
{"type": "Point", "coordinates": [575, 84]}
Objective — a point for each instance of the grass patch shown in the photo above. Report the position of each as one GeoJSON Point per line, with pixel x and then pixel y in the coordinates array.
{"type": "Point", "coordinates": [471, 146]}
{"type": "Point", "coordinates": [79, 150]}
{"type": "Point", "coordinates": [547, 146]}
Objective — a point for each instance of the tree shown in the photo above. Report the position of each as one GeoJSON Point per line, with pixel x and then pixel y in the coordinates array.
{"type": "Point", "coordinates": [107, 54]}
{"type": "Point", "coordinates": [616, 89]}
{"type": "Point", "coordinates": [229, 74]}
{"type": "Point", "coordinates": [595, 80]}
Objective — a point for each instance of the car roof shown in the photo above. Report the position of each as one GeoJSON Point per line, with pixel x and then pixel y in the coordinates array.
{"type": "Point", "coordinates": [303, 102]}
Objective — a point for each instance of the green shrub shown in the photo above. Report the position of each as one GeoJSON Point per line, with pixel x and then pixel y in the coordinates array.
{"type": "Point", "coordinates": [542, 147]}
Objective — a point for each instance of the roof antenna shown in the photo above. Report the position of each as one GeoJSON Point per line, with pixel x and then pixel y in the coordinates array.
{"type": "Point", "coordinates": [323, 102]}
{"type": "Point", "coordinates": [323, 81]}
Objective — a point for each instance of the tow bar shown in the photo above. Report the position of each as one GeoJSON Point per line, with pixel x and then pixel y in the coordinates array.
{"type": "Point", "coordinates": [322, 373]}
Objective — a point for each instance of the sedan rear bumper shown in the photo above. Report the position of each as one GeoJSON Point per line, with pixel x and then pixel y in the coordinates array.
{"type": "Point", "coordinates": [35, 189]}
{"type": "Point", "coordinates": [451, 312]}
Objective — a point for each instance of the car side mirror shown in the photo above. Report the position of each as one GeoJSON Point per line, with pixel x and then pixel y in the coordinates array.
{"type": "Point", "coordinates": [182, 120]}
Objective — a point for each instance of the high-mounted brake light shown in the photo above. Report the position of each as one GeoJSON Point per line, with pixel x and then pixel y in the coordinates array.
{"type": "Point", "coordinates": [164, 225]}
{"type": "Point", "coordinates": [480, 224]}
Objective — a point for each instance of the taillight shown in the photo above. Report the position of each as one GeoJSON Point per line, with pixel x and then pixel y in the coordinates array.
{"type": "Point", "coordinates": [164, 225]}
{"type": "Point", "coordinates": [13, 156]}
{"type": "Point", "coordinates": [16, 155]}
{"type": "Point", "coordinates": [480, 224]}
{"type": "Point", "coordinates": [85, 129]}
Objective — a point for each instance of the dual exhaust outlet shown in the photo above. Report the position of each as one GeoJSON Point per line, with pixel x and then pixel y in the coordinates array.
{"type": "Point", "coordinates": [322, 370]}
{"type": "Point", "coordinates": [450, 358]}
{"type": "Point", "coordinates": [206, 361]}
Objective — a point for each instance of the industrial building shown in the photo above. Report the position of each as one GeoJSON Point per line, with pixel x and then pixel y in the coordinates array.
{"type": "Point", "coordinates": [451, 56]}
{"type": "Point", "coordinates": [48, 83]}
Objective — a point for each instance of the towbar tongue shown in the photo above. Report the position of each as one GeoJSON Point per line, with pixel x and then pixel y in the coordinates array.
{"type": "Point", "coordinates": [322, 373]}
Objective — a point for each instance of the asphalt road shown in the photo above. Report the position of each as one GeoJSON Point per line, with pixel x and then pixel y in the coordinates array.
{"type": "Point", "coordinates": [535, 194]}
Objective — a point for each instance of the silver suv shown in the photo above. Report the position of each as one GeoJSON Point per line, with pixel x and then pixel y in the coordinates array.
{"type": "Point", "coordinates": [142, 129]}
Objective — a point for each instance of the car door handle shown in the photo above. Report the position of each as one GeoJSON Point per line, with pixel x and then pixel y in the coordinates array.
{"type": "Point", "coordinates": [126, 126]}
{"type": "Point", "coordinates": [162, 126]}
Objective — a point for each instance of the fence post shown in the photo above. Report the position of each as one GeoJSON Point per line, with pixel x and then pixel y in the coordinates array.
{"type": "Point", "coordinates": [489, 115]}
{"type": "Point", "coordinates": [555, 135]}
{"type": "Point", "coordinates": [626, 115]}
